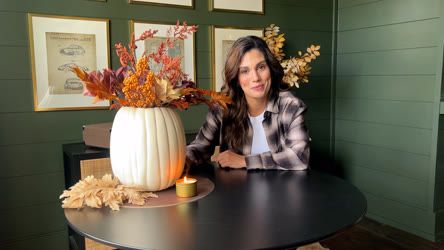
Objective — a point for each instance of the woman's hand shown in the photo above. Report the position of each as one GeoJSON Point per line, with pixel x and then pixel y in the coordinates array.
{"type": "Point", "coordinates": [230, 159]}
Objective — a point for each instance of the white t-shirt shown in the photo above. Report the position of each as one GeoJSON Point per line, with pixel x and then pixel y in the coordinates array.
{"type": "Point", "coordinates": [259, 144]}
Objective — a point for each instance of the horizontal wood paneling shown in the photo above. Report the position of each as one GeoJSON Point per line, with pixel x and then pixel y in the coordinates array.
{"type": "Point", "coordinates": [319, 130]}
{"type": "Point", "coordinates": [193, 118]}
{"type": "Point", "coordinates": [419, 61]}
{"type": "Point", "coordinates": [19, 97]}
{"type": "Point", "coordinates": [23, 222]}
{"type": "Point", "coordinates": [317, 109]}
{"type": "Point", "coordinates": [20, 128]}
{"type": "Point", "coordinates": [317, 87]}
{"type": "Point", "coordinates": [385, 104]}
{"type": "Point", "coordinates": [305, 3]}
{"type": "Point", "coordinates": [56, 240]}
{"type": "Point", "coordinates": [386, 185]}
{"type": "Point", "coordinates": [406, 217]}
{"type": "Point", "coordinates": [321, 66]}
{"type": "Point", "coordinates": [386, 12]}
{"type": "Point", "coordinates": [399, 36]}
{"type": "Point", "coordinates": [387, 112]}
{"type": "Point", "coordinates": [12, 35]}
{"type": "Point", "coordinates": [405, 164]}
{"type": "Point", "coordinates": [304, 39]}
{"type": "Point", "coordinates": [21, 159]}
{"type": "Point", "coordinates": [415, 88]}
{"type": "Point", "coordinates": [387, 136]}
{"type": "Point", "coordinates": [350, 3]}
{"type": "Point", "coordinates": [32, 189]}
{"type": "Point", "coordinates": [17, 66]}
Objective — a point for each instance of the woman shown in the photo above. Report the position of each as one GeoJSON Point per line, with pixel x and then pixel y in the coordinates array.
{"type": "Point", "coordinates": [264, 126]}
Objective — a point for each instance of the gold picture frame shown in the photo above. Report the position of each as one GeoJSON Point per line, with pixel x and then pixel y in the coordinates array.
{"type": "Point", "coordinates": [58, 42]}
{"type": "Point", "coordinates": [188, 4]}
{"type": "Point", "coordinates": [185, 48]}
{"type": "Point", "coordinates": [222, 38]}
{"type": "Point", "coordinates": [250, 6]}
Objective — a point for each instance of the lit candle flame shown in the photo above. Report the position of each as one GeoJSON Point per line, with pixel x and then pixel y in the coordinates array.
{"type": "Point", "coordinates": [188, 180]}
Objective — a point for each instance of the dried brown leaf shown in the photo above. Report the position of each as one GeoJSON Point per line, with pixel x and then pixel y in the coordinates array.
{"type": "Point", "coordinates": [106, 191]}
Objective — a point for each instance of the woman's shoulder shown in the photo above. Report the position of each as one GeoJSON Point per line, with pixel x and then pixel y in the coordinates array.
{"type": "Point", "coordinates": [288, 99]}
{"type": "Point", "coordinates": [216, 112]}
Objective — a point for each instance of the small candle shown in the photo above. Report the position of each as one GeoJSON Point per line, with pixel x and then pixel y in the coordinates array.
{"type": "Point", "coordinates": [186, 187]}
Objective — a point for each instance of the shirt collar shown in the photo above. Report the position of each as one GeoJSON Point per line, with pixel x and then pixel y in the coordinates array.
{"type": "Point", "coordinates": [272, 105]}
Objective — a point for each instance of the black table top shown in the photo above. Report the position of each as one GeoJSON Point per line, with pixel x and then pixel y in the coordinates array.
{"type": "Point", "coordinates": [246, 210]}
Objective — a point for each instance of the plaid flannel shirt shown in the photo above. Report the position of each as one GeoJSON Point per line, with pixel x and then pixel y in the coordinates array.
{"type": "Point", "coordinates": [284, 128]}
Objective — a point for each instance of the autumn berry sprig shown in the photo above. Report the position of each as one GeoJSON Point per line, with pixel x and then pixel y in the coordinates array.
{"type": "Point", "coordinates": [296, 69]}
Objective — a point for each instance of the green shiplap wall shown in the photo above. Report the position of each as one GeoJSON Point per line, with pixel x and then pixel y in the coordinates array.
{"type": "Point", "coordinates": [439, 173]}
{"type": "Point", "coordinates": [387, 106]}
{"type": "Point", "coordinates": [31, 176]}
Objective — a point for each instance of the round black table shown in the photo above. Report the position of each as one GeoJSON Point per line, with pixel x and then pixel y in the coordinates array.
{"type": "Point", "coordinates": [246, 210]}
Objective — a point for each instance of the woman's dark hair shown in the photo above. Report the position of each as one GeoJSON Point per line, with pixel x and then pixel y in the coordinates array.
{"type": "Point", "coordinates": [235, 120]}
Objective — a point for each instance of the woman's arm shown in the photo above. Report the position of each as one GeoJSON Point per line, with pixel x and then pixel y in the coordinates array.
{"type": "Point", "coordinates": [294, 154]}
{"type": "Point", "coordinates": [201, 149]}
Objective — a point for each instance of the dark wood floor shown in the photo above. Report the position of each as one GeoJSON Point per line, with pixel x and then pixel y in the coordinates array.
{"type": "Point", "coordinates": [371, 235]}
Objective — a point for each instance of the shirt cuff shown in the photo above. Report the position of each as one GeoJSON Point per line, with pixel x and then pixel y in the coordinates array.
{"type": "Point", "coordinates": [259, 161]}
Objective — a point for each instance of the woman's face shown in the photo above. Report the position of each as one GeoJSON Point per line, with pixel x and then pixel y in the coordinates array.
{"type": "Point", "coordinates": [254, 76]}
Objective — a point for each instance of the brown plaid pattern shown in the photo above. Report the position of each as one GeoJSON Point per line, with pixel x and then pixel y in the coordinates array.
{"type": "Point", "coordinates": [284, 128]}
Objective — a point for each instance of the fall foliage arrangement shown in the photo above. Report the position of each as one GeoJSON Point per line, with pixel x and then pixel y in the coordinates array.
{"type": "Point", "coordinates": [134, 84]}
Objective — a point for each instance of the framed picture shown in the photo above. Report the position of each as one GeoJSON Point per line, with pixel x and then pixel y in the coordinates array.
{"type": "Point", "coordinates": [184, 48]}
{"type": "Point", "coordinates": [223, 38]}
{"type": "Point", "coordinates": [176, 3]}
{"type": "Point", "coordinates": [56, 44]}
{"type": "Point", "coordinates": [250, 6]}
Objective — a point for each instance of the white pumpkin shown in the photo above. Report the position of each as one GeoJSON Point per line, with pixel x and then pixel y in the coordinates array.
{"type": "Point", "coordinates": [147, 147]}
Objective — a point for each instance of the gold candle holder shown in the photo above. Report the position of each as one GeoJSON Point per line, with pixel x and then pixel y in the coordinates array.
{"type": "Point", "coordinates": [186, 187]}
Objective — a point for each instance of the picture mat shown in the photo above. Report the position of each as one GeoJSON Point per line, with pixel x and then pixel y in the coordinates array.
{"type": "Point", "coordinates": [172, 2]}
{"type": "Point", "coordinates": [240, 5]}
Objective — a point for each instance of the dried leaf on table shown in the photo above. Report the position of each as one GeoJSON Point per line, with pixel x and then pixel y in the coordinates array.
{"type": "Point", "coordinates": [107, 191]}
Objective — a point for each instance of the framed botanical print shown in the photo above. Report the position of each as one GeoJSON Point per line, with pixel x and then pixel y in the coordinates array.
{"type": "Point", "coordinates": [183, 48]}
{"type": "Point", "coordinates": [57, 43]}
{"type": "Point", "coordinates": [249, 6]}
{"type": "Point", "coordinates": [176, 3]}
{"type": "Point", "coordinates": [223, 38]}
